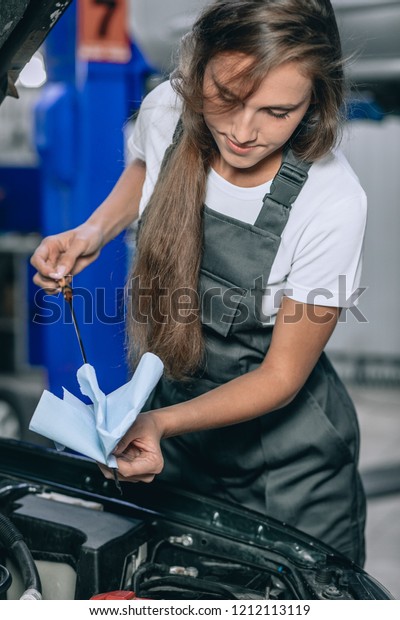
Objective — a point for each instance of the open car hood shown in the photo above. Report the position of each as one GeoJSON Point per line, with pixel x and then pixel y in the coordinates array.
{"type": "Point", "coordinates": [24, 25]}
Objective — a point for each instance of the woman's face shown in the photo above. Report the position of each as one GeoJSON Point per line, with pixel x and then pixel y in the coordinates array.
{"type": "Point", "coordinates": [250, 135]}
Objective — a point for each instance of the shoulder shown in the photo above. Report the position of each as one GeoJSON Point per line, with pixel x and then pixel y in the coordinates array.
{"type": "Point", "coordinates": [333, 189]}
{"type": "Point", "coordinates": [324, 238]}
{"type": "Point", "coordinates": [162, 96]}
{"type": "Point", "coordinates": [160, 109]}
{"type": "Point", "coordinates": [332, 178]}
{"type": "Point", "coordinates": [155, 123]}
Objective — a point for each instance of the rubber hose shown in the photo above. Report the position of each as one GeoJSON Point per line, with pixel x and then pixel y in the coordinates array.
{"type": "Point", "coordinates": [5, 579]}
{"type": "Point", "coordinates": [189, 583]}
{"type": "Point", "coordinates": [13, 541]}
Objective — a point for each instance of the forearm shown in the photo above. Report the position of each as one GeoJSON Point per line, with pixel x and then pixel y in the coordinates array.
{"type": "Point", "coordinates": [246, 397]}
{"type": "Point", "coordinates": [295, 349]}
{"type": "Point", "coordinates": [121, 207]}
{"type": "Point", "coordinates": [249, 396]}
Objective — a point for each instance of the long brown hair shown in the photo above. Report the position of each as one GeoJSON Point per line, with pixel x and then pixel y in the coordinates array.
{"type": "Point", "coordinates": [169, 248]}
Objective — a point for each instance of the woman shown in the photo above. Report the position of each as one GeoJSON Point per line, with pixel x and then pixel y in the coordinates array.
{"type": "Point", "coordinates": [251, 232]}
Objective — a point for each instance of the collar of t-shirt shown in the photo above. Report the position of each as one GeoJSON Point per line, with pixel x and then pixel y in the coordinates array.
{"type": "Point", "coordinates": [241, 203]}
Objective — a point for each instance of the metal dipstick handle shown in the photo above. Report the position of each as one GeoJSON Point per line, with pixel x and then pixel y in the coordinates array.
{"type": "Point", "coordinates": [66, 290]}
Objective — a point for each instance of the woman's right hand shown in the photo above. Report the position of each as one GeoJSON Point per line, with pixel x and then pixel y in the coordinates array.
{"type": "Point", "coordinates": [67, 253]}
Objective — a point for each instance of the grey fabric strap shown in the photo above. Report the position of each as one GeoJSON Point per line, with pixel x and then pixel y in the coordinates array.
{"type": "Point", "coordinates": [285, 188]}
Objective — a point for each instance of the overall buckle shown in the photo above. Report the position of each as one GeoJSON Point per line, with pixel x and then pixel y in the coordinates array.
{"type": "Point", "coordinates": [292, 174]}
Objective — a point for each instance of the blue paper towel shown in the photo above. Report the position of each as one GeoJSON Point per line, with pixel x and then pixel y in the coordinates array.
{"type": "Point", "coordinates": [94, 430]}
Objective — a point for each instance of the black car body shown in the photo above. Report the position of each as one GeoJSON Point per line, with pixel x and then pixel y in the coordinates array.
{"type": "Point", "coordinates": [157, 541]}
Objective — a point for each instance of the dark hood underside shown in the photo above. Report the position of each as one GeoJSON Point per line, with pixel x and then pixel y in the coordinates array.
{"type": "Point", "coordinates": [24, 25]}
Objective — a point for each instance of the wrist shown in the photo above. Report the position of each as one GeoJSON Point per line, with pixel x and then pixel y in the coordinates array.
{"type": "Point", "coordinates": [95, 229]}
{"type": "Point", "coordinates": [176, 419]}
{"type": "Point", "coordinates": [162, 421]}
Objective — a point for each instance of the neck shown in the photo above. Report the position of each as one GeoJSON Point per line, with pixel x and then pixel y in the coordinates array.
{"type": "Point", "coordinates": [264, 171]}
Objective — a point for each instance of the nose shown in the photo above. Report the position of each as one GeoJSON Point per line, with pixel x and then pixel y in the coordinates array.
{"type": "Point", "coordinates": [244, 127]}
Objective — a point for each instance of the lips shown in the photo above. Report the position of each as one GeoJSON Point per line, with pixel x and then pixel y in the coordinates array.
{"type": "Point", "coordinates": [237, 148]}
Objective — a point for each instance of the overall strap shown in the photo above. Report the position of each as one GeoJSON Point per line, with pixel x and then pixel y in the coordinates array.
{"type": "Point", "coordinates": [285, 188]}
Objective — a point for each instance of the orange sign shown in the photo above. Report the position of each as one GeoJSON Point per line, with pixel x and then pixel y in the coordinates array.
{"type": "Point", "coordinates": [102, 31]}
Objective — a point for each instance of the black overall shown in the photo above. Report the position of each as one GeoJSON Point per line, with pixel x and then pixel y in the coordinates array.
{"type": "Point", "coordinates": [299, 463]}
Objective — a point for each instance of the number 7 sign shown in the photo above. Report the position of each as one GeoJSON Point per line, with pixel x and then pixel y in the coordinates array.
{"type": "Point", "coordinates": [102, 31]}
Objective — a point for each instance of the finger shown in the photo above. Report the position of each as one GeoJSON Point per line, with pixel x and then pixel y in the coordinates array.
{"type": "Point", "coordinates": [140, 467]}
{"type": "Point", "coordinates": [106, 471]}
{"type": "Point", "coordinates": [145, 478]}
{"type": "Point", "coordinates": [44, 281]}
{"type": "Point", "coordinates": [72, 264]}
{"type": "Point", "coordinates": [121, 446]}
{"type": "Point", "coordinates": [51, 287]}
{"type": "Point", "coordinates": [103, 468]}
{"type": "Point", "coordinates": [65, 260]}
{"type": "Point", "coordinates": [46, 259]}
{"type": "Point", "coordinates": [126, 447]}
{"type": "Point", "coordinates": [41, 260]}
{"type": "Point", "coordinates": [59, 255]}
{"type": "Point", "coordinates": [109, 474]}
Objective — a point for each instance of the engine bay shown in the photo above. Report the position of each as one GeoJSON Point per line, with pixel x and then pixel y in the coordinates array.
{"type": "Point", "coordinates": [154, 541]}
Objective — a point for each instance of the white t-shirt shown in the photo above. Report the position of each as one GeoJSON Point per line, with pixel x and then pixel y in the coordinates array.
{"type": "Point", "coordinates": [319, 258]}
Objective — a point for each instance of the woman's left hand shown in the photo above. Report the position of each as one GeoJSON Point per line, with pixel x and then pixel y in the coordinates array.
{"type": "Point", "coordinates": [139, 456]}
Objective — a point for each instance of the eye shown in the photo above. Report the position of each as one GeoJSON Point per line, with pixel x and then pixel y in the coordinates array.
{"type": "Point", "coordinates": [225, 96]}
{"type": "Point", "coordinates": [277, 114]}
